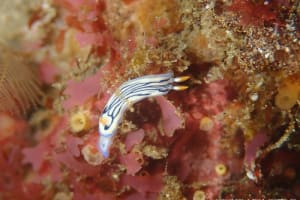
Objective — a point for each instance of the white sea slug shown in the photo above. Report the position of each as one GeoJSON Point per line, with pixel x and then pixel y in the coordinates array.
{"type": "Point", "coordinates": [126, 95]}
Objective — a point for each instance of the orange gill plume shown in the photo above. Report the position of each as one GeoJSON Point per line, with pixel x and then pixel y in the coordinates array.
{"type": "Point", "coordinates": [19, 87]}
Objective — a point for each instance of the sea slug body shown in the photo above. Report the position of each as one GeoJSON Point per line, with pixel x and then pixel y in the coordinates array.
{"type": "Point", "coordinates": [129, 93]}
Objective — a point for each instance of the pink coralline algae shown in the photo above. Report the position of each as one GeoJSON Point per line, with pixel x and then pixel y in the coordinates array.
{"type": "Point", "coordinates": [85, 39]}
{"type": "Point", "coordinates": [89, 87]}
{"type": "Point", "coordinates": [133, 138]}
{"type": "Point", "coordinates": [171, 119]}
{"type": "Point", "coordinates": [252, 148]}
{"type": "Point", "coordinates": [258, 12]}
{"type": "Point", "coordinates": [131, 161]}
{"type": "Point", "coordinates": [231, 132]}
{"type": "Point", "coordinates": [144, 184]}
{"type": "Point", "coordinates": [196, 153]}
{"type": "Point", "coordinates": [48, 72]}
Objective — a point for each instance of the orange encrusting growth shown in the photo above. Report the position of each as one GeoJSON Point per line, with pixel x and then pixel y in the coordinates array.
{"type": "Point", "coordinates": [161, 14]}
{"type": "Point", "coordinates": [288, 93]}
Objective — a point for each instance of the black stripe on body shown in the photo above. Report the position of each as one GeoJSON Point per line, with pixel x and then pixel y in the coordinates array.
{"type": "Point", "coordinates": [120, 103]}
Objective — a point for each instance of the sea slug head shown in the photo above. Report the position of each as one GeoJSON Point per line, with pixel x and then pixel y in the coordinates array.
{"type": "Point", "coordinates": [107, 126]}
{"type": "Point", "coordinates": [107, 129]}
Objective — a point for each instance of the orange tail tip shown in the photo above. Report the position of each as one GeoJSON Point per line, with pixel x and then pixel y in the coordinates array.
{"type": "Point", "coordinates": [180, 87]}
{"type": "Point", "coordinates": [181, 79]}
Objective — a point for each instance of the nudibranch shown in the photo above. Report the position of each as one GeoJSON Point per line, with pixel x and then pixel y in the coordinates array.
{"type": "Point", "coordinates": [126, 95]}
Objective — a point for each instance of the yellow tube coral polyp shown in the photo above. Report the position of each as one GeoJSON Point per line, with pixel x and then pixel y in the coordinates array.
{"type": "Point", "coordinates": [199, 195]}
{"type": "Point", "coordinates": [79, 121]}
{"type": "Point", "coordinates": [221, 169]}
{"type": "Point", "coordinates": [206, 124]}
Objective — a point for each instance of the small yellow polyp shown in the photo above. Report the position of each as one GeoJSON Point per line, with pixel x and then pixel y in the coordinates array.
{"type": "Point", "coordinates": [199, 195]}
{"type": "Point", "coordinates": [206, 124]}
{"type": "Point", "coordinates": [221, 169]}
{"type": "Point", "coordinates": [79, 121]}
